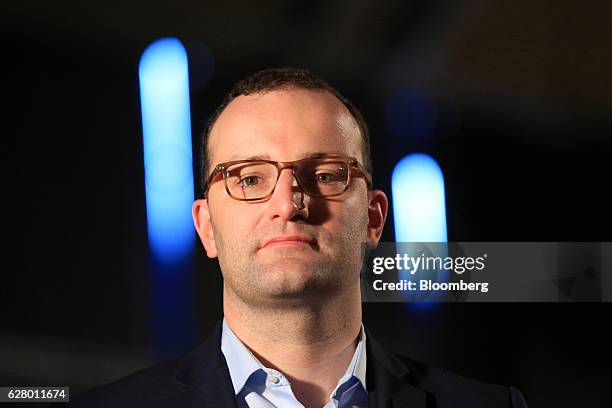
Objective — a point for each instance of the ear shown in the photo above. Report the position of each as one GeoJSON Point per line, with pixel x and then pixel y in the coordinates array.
{"type": "Point", "coordinates": [378, 204]}
{"type": "Point", "coordinates": [203, 225]}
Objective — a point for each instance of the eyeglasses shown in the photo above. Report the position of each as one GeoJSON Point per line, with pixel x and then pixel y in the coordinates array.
{"type": "Point", "coordinates": [251, 180]}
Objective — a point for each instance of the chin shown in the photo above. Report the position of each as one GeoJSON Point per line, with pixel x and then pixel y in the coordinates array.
{"type": "Point", "coordinates": [300, 282]}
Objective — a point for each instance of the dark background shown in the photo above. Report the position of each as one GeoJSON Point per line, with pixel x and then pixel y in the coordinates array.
{"type": "Point", "coordinates": [518, 96]}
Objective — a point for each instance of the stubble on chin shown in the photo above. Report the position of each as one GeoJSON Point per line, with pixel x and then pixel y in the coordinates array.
{"type": "Point", "coordinates": [284, 277]}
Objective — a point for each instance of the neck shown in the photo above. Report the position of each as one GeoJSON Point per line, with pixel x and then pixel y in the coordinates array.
{"type": "Point", "coordinates": [310, 343]}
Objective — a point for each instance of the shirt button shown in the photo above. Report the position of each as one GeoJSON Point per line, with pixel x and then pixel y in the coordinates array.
{"type": "Point", "coordinates": [273, 379]}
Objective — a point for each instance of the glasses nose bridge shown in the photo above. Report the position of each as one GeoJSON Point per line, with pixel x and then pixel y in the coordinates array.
{"type": "Point", "coordinates": [289, 165]}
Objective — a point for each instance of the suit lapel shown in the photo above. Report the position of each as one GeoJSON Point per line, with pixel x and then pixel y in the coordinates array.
{"type": "Point", "coordinates": [388, 380]}
{"type": "Point", "coordinates": [205, 376]}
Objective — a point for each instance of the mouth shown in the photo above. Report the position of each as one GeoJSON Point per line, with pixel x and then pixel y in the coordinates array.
{"type": "Point", "coordinates": [289, 240]}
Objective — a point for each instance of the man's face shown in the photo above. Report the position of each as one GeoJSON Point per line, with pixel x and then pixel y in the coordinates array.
{"type": "Point", "coordinates": [317, 248]}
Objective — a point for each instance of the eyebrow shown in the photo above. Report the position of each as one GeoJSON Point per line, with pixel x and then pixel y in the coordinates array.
{"type": "Point", "coordinates": [266, 156]}
{"type": "Point", "coordinates": [252, 157]}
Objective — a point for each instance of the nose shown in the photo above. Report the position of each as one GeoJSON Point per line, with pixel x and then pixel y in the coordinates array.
{"type": "Point", "coordinates": [288, 201]}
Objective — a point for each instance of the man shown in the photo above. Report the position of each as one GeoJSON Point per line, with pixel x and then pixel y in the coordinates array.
{"type": "Point", "coordinates": [288, 204]}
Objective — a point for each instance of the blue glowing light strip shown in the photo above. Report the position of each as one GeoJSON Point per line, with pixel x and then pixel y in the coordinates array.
{"type": "Point", "coordinates": [419, 212]}
{"type": "Point", "coordinates": [166, 124]}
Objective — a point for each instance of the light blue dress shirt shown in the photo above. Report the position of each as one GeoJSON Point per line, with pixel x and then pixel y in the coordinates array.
{"type": "Point", "coordinates": [259, 387]}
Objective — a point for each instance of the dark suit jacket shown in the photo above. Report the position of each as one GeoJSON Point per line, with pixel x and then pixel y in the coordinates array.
{"type": "Point", "coordinates": [201, 379]}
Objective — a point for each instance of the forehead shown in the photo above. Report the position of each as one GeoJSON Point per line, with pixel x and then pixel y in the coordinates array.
{"type": "Point", "coordinates": [284, 125]}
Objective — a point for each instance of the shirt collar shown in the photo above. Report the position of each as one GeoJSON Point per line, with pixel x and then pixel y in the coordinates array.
{"type": "Point", "coordinates": [242, 363]}
{"type": "Point", "coordinates": [357, 367]}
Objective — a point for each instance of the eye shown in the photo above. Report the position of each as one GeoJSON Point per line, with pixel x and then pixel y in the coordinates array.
{"type": "Point", "coordinates": [325, 178]}
{"type": "Point", "coordinates": [249, 181]}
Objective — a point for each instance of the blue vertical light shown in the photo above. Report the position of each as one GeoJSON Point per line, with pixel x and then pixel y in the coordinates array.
{"type": "Point", "coordinates": [166, 124]}
{"type": "Point", "coordinates": [419, 213]}
{"type": "Point", "coordinates": [419, 209]}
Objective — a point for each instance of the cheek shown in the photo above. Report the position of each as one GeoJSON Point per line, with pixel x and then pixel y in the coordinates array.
{"type": "Point", "coordinates": [350, 222]}
{"type": "Point", "coordinates": [232, 224]}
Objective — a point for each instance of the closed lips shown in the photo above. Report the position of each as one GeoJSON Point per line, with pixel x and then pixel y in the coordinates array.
{"type": "Point", "coordinates": [288, 240]}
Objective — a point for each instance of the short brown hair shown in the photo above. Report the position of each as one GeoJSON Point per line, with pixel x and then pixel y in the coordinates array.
{"type": "Point", "coordinates": [277, 79]}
